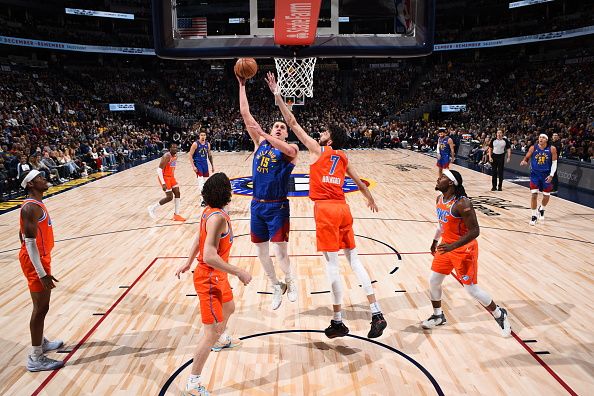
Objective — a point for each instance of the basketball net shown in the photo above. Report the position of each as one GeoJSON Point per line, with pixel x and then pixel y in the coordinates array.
{"type": "Point", "coordinates": [295, 76]}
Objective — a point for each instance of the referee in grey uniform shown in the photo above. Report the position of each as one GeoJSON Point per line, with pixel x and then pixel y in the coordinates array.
{"type": "Point", "coordinates": [497, 149]}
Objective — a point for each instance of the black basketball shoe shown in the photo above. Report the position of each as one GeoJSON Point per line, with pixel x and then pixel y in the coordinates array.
{"type": "Point", "coordinates": [378, 324]}
{"type": "Point", "coordinates": [336, 329]}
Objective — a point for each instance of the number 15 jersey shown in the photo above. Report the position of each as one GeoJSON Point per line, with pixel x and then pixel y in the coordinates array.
{"type": "Point", "coordinates": [271, 170]}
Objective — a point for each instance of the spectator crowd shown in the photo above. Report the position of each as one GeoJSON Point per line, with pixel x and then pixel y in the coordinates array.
{"type": "Point", "coordinates": [57, 120]}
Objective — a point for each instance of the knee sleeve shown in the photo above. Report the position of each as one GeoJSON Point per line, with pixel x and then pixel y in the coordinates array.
{"type": "Point", "coordinates": [333, 272]}
{"type": "Point", "coordinates": [435, 281]}
{"type": "Point", "coordinates": [479, 294]}
{"type": "Point", "coordinates": [360, 271]}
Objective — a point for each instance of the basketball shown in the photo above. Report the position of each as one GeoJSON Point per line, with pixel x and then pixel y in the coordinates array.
{"type": "Point", "coordinates": [246, 68]}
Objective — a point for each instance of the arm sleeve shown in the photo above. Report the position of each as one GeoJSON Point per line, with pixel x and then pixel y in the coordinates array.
{"type": "Point", "coordinates": [553, 168]}
{"type": "Point", "coordinates": [160, 175]}
{"type": "Point", "coordinates": [31, 245]}
{"type": "Point", "coordinates": [438, 233]}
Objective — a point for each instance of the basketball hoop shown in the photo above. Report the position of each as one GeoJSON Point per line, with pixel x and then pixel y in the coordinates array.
{"type": "Point", "coordinates": [295, 76]}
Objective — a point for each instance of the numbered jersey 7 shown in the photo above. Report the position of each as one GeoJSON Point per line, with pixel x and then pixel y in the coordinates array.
{"type": "Point", "coordinates": [326, 175]}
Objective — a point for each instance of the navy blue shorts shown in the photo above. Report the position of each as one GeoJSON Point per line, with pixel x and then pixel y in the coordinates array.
{"type": "Point", "coordinates": [443, 162]}
{"type": "Point", "coordinates": [538, 181]}
{"type": "Point", "coordinates": [269, 221]}
{"type": "Point", "coordinates": [201, 169]}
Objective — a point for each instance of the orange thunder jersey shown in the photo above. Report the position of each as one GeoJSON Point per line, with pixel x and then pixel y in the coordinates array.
{"type": "Point", "coordinates": [326, 175]}
{"type": "Point", "coordinates": [452, 227]}
{"type": "Point", "coordinates": [226, 239]}
{"type": "Point", "coordinates": [170, 166]}
{"type": "Point", "coordinates": [45, 232]}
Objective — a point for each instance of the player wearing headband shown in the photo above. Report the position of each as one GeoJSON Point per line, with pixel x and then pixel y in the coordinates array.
{"type": "Point", "coordinates": [543, 165]}
{"type": "Point", "coordinates": [458, 229]}
{"type": "Point", "coordinates": [37, 240]}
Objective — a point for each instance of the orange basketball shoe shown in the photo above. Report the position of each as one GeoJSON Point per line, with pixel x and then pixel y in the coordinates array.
{"type": "Point", "coordinates": [177, 217]}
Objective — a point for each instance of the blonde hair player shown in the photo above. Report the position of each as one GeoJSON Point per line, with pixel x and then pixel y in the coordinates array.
{"type": "Point", "coordinates": [458, 229]}
{"type": "Point", "coordinates": [334, 222]}
{"type": "Point", "coordinates": [274, 160]}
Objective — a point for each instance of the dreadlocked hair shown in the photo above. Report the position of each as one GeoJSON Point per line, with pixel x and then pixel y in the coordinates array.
{"type": "Point", "coordinates": [459, 190]}
{"type": "Point", "coordinates": [217, 190]}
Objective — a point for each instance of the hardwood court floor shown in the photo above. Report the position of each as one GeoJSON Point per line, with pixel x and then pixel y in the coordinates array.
{"type": "Point", "coordinates": [112, 259]}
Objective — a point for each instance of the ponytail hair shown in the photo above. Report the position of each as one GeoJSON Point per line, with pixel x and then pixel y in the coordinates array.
{"type": "Point", "coordinates": [459, 190]}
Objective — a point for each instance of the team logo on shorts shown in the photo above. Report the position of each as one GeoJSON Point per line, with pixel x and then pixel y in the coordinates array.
{"type": "Point", "coordinates": [465, 278]}
{"type": "Point", "coordinates": [298, 185]}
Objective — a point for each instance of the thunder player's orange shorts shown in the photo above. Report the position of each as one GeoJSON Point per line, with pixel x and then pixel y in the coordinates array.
{"type": "Point", "coordinates": [464, 260]}
{"type": "Point", "coordinates": [35, 284]}
{"type": "Point", "coordinates": [213, 291]}
{"type": "Point", "coordinates": [170, 182]}
{"type": "Point", "coordinates": [334, 226]}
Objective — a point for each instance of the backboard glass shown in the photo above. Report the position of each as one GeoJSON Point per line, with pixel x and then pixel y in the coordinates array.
{"type": "Point", "coordinates": [202, 29]}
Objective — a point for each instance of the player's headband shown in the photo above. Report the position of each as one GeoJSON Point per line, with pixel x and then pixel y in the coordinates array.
{"type": "Point", "coordinates": [450, 176]}
{"type": "Point", "coordinates": [30, 176]}
{"type": "Point", "coordinates": [542, 135]}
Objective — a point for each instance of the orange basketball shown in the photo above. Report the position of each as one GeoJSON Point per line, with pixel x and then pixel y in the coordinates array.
{"type": "Point", "coordinates": [246, 67]}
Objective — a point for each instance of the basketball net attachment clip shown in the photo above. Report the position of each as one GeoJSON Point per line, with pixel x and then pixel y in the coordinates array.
{"type": "Point", "coordinates": [295, 76]}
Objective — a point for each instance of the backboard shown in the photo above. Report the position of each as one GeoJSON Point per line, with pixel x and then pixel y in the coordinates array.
{"type": "Point", "coordinates": [200, 29]}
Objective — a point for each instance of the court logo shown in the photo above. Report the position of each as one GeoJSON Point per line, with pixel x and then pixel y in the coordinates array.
{"type": "Point", "coordinates": [407, 167]}
{"type": "Point", "coordinates": [482, 200]}
{"type": "Point", "coordinates": [298, 185]}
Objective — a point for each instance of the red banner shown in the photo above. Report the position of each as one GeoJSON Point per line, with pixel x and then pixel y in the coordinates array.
{"type": "Point", "coordinates": [296, 21]}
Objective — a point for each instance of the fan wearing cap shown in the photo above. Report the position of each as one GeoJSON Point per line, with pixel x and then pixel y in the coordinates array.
{"type": "Point", "coordinates": [37, 240]}
{"type": "Point", "coordinates": [543, 165]}
{"type": "Point", "coordinates": [458, 229]}
{"type": "Point", "coordinates": [445, 150]}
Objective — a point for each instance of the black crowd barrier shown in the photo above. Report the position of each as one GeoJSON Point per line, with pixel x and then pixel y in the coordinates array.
{"type": "Point", "coordinates": [571, 173]}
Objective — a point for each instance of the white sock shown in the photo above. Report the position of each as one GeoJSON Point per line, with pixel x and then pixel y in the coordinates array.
{"type": "Point", "coordinates": [224, 338]}
{"type": "Point", "coordinates": [337, 316]}
{"type": "Point", "coordinates": [437, 311]}
{"type": "Point", "coordinates": [36, 351]}
{"type": "Point", "coordinates": [177, 201]}
{"type": "Point", "coordinates": [496, 312]}
{"type": "Point", "coordinates": [155, 205]}
{"type": "Point", "coordinates": [534, 212]}
{"type": "Point", "coordinates": [375, 308]}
